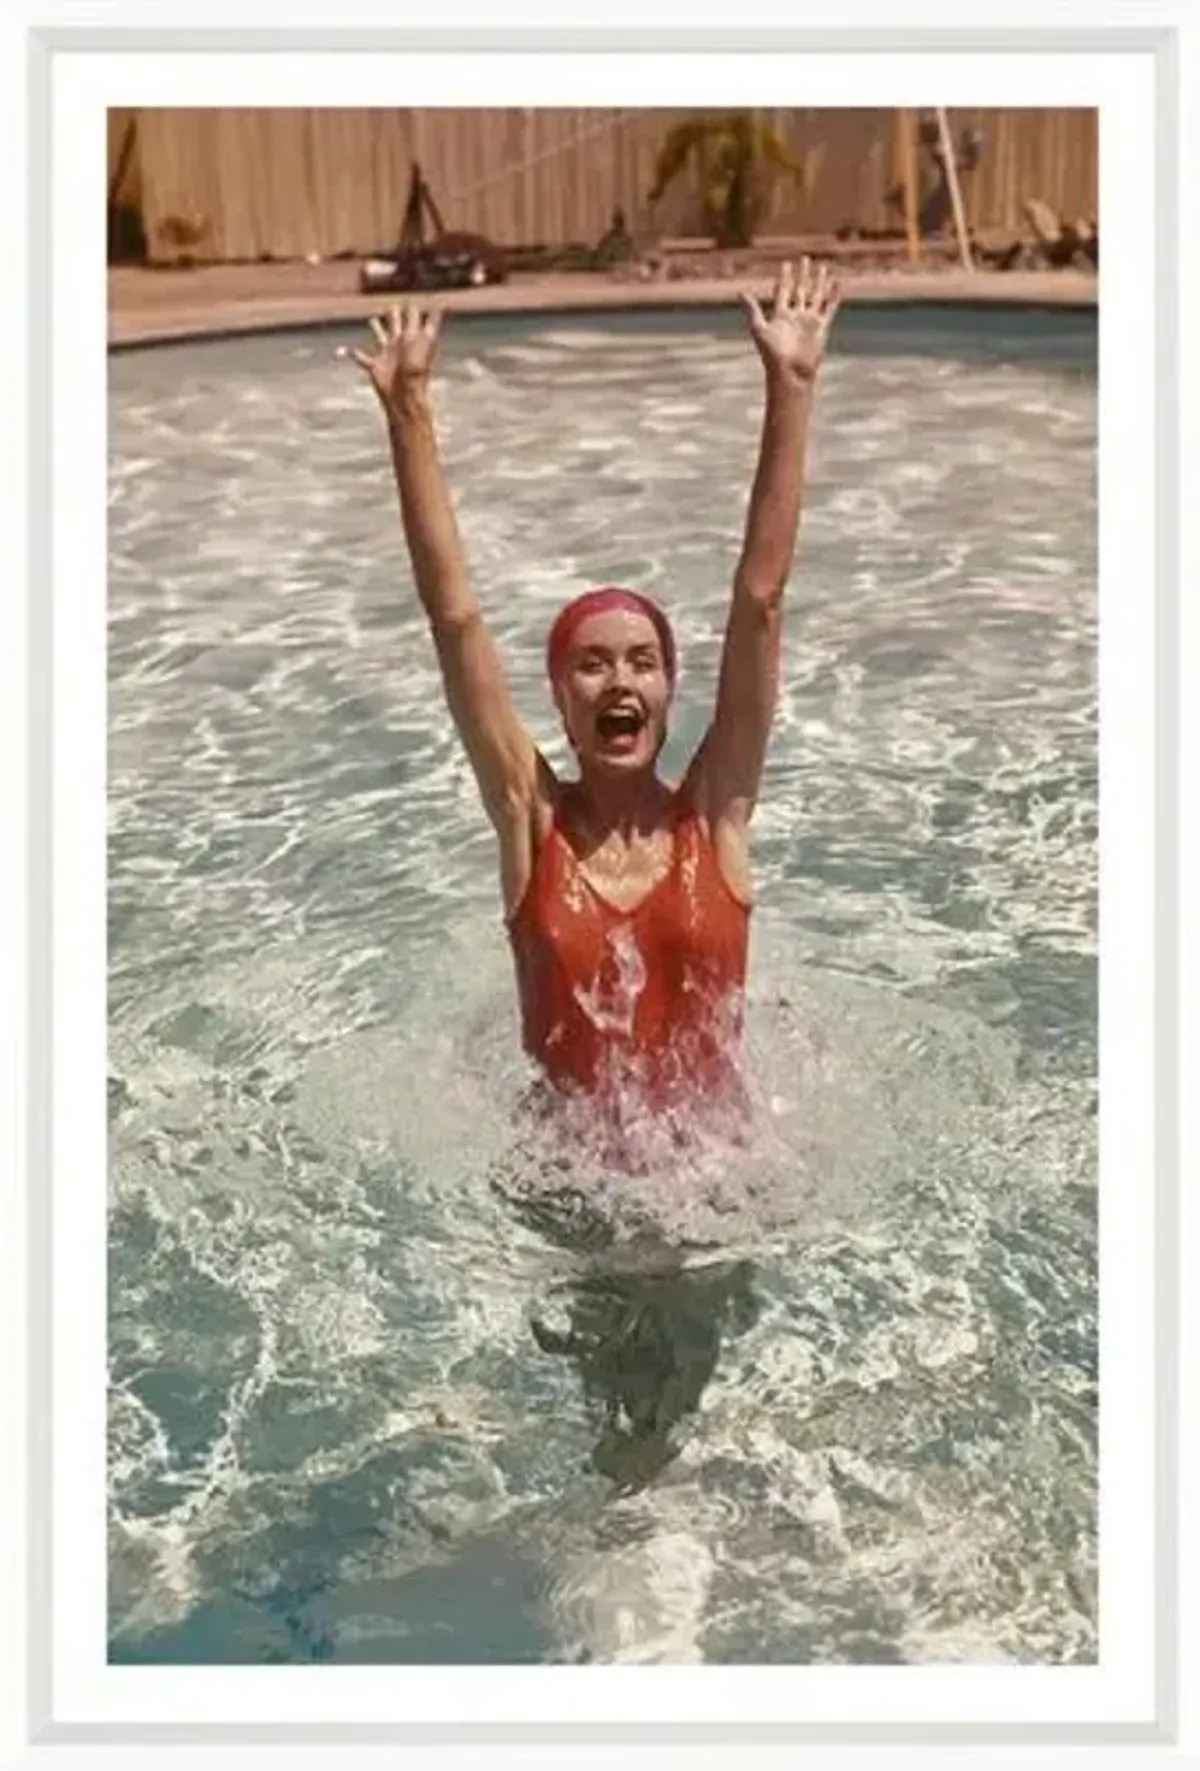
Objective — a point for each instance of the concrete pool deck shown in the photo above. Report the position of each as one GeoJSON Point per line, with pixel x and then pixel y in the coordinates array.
{"type": "Point", "coordinates": [156, 306]}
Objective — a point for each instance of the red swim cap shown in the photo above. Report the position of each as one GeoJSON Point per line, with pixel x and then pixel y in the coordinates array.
{"type": "Point", "coordinates": [596, 602]}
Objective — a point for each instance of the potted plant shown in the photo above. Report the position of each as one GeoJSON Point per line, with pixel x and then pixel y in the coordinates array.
{"type": "Point", "coordinates": [735, 159]}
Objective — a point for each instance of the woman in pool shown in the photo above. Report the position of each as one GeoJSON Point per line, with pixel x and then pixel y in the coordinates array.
{"type": "Point", "coordinates": [627, 900]}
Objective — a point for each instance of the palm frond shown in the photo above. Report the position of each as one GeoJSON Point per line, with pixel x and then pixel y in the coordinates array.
{"type": "Point", "coordinates": [775, 151]}
{"type": "Point", "coordinates": [677, 148]}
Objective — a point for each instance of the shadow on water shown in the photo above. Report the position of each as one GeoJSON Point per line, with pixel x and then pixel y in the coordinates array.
{"type": "Point", "coordinates": [644, 1321]}
{"type": "Point", "coordinates": [646, 1345]}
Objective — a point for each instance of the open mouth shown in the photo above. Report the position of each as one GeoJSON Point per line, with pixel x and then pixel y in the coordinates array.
{"type": "Point", "coordinates": [617, 724]}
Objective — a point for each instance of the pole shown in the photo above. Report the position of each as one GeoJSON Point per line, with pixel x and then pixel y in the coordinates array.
{"type": "Point", "coordinates": [951, 166]}
{"type": "Point", "coordinates": [907, 161]}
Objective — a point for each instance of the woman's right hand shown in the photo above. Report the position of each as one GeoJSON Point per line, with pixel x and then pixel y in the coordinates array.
{"type": "Point", "coordinates": [408, 342]}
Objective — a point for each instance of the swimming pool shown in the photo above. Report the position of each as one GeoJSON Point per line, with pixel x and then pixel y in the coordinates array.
{"type": "Point", "coordinates": [361, 1409]}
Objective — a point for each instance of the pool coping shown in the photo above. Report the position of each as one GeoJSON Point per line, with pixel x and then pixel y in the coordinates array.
{"type": "Point", "coordinates": [206, 302]}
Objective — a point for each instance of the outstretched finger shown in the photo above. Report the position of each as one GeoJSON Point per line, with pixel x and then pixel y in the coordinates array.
{"type": "Point", "coordinates": [832, 303]}
{"type": "Point", "coordinates": [803, 292]}
{"type": "Point", "coordinates": [379, 329]}
{"type": "Point", "coordinates": [783, 288]}
{"type": "Point", "coordinates": [361, 358]}
{"type": "Point", "coordinates": [753, 310]}
{"type": "Point", "coordinates": [821, 287]}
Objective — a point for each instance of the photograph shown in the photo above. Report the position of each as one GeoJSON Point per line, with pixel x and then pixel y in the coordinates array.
{"type": "Point", "coordinates": [602, 886]}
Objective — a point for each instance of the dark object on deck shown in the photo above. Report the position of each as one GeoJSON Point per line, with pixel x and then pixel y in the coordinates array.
{"type": "Point", "coordinates": [1062, 242]}
{"type": "Point", "coordinates": [456, 261]}
{"type": "Point", "coordinates": [1013, 255]}
{"type": "Point", "coordinates": [618, 245]}
{"type": "Point", "coordinates": [447, 261]}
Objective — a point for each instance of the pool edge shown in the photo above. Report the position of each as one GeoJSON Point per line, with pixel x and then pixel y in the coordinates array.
{"type": "Point", "coordinates": [252, 316]}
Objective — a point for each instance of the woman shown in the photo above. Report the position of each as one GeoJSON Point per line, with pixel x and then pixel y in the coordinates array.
{"type": "Point", "coordinates": [627, 900]}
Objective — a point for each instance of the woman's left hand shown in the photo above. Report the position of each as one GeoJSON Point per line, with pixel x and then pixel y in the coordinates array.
{"type": "Point", "coordinates": [792, 342]}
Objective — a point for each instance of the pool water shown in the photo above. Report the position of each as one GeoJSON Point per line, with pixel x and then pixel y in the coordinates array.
{"type": "Point", "coordinates": [828, 1398]}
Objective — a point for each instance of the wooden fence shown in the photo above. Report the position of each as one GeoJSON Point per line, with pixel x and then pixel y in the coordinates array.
{"type": "Point", "coordinates": [283, 184]}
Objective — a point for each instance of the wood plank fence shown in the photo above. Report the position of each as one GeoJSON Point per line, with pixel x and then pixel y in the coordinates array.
{"type": "Point", "coordinates": [284, 184]}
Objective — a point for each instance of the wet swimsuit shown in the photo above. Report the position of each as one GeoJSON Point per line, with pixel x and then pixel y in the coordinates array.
{"type": "Point", "coordinates": [649, 996]}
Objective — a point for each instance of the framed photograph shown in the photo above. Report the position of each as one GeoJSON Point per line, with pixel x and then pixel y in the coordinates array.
{"type": "Point", "coordinates": [602, 712]}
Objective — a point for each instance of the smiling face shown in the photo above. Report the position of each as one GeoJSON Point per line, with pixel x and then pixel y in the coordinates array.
{"type": "Point", "coordinates": [614, 692]}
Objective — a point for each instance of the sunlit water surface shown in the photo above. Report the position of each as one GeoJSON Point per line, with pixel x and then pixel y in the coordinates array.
{"type": "Point", "coordinates": [829, 1399]}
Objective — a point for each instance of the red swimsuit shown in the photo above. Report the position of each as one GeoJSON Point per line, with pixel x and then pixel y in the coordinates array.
{"type": "Point", "coordinates": [648, 997]}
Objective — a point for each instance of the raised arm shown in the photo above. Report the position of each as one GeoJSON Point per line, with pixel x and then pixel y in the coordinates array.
{"type": "Point", "coordinates": [729, 765]}
{"type": "Point", "coordinates": [501, 752]}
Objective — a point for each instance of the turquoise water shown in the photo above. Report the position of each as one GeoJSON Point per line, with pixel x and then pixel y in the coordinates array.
{"type": "Point", "coordinates": [831, 1398]}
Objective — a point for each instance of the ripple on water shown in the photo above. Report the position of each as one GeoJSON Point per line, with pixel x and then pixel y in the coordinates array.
{"type": "Point", "coordinates": [829, 1399]}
